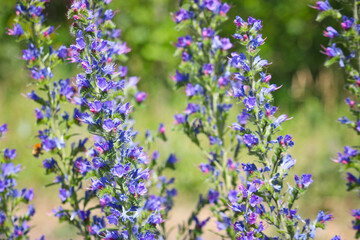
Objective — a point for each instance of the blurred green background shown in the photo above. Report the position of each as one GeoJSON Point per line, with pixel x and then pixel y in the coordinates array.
{"type": "Point", "coordinates": [311, 94]}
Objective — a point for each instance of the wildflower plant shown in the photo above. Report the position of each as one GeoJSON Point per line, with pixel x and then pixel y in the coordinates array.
{"type": "Point", "coordinates": [117, 189]}
{"type": "Point", "coordinates": [13, 225]}
{"type": "Point", "coordinates": [63, 160]}
{"type": "Point", "coordinates": [244, 197]}
{"type": "Point", "coordinates": [121, 171]}
{"type": "Point", "coordinates": [344, 49]}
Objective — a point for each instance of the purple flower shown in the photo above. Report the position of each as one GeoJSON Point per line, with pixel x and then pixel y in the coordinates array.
{"type": "Point", "coordinates": [81, 81]}
{"type": "Point", "coordinates": [344, 120]}
{"type": "Point", "coordinates": [17, 30]}
{"type": "Point", "coordinates": [239, 226]}
{"type": "Point", "coordinates": [331, 32]}
{"type": "Point", "coordinates": [86, 118]}
{"type": "Point", "coordinates": [9, 169]}
{"type": "Point", "coordinates": [180, 119]}
{"type": "Point", "coordinates": [348, 154]}
{"type": "Point", "coordinates": [3, 129]}
{"type": "Point", "coordinates": [30, 212]}
{"type": "Point", "coordinates": [255, 200]}
{"type": "Point", "coordinates": [213, 196]}
{"type": "Point", "coordinates": [243, 117]}
{"type": "Point", "coordinates": [29, 195]}
{"type": "Point", "coordinates": [347, 23]}
{"type": "Point", "coordinates": [287, 162]}
{"type": "Point", "coordinates": [232, 196]}
{"type": "Point", "coordinates": [97, 184]}
{"type": "Point", "coordinates": [155, 218]}
{"type": "Point", "coordinates": [184, 41]}
{"type": "Point", "coordinates": [137, 188]}
{"type": "Point", "coordinates": [109, 14]}
{"type": "Point", "coordinates": [334, 51]}
{"type": "Point", "coordinates": [305, 180]}
{"type": "Point", "coordinates": [155, 155]}
{"type": "Point", "coordinates": [200, 224]}
{"type": "Point", "coordinates": [108, 125]}
{"type": "Point", "coordinates": [224, 8]}
{"type": "Point", "coordinates": [322, 217]}
{"type": "Point", "coordinates": [82, 165]}
{"type": "Point", "coordinates": [239, 21]}
{"type": "Point", "coordinates": [207, 33]}
{"type": "Point", "coordinates": [323, 5]}
{"type": "Point", "coordinates": [9, 154]}
{"type": "Point", "coordinates": [249, 167]}
{"type": "Point", "coordinates": [212, 5]}
{"type": "Point", "coordinates": [102, 83]}
{"type": "Point", "coordinates": [49, 163]}
{"type": "Point", "coordinates": [208, 68]}
{"type": "Point", "coordinates": [226, 44]}
{"type": "Point", "coordinates": [179, 78]}
{"type": "Point", "coordinates": [172, 159]}
{"type": "Point", "coordinates": [250, 140]}
{"type": "Point", "coordinates": [63, 194]}
{"type": "Point", "coordinates": [181, 15]}
{"type": "Point", "coordinates": [120, 170]}
{"type": "Point", "coordinates": [250, 102]}
{"type": "Point", "coordinates": [2, 217]}
{"type": "Point", "coordinates": [282, 118]}
{"type": "Point", "coordinates": [95, 107]}
{"type": "Point", "coordinates": [336, 238]}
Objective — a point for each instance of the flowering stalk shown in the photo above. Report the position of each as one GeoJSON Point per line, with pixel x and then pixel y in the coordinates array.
{"type": "Point", "coordinates": [344, 49]}
{"type": "Point", "coordinates": [69, 167]}
{"type": "Point", "coordinates": [12, 224]}
{"type": "Point", "coordinates": [206, 80]}
{"type": "Point", "coordinates": [120, 177]}
{"type": "Point", "coordinates": [241, 211]}
{"type": "Point", "coordinates": [264, 194]}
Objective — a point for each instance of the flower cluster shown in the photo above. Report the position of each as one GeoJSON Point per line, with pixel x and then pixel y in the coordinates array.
{"type": "Point", "coordinates": [257, 195]}
{"type": "Point", "coordinates": [12, 224]}
{"type": "Point", "coordinates": [68, 165]}
{"type": "Point", "coordinates": [344, 48]}
{"type": "Point", "coordinates": [121, 175]}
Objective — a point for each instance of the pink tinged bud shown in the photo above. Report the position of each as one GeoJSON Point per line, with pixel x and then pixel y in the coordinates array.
{"type": "Point", "coordinates": [141, 96]}
{"type": "Point", "coordinates": [267, 78]}
{"type": "Point", "coordinates": [100, 150]}
{"type": "Point", "coordinates": [343, 25]}
{"type": "Point", "coordinates": [109, 60]}
{"type": "Point", "coordinates": [76, 17]}
{"type": "Point", "coordinates": [245, 37]}
{"type": "Point", "coordinates": [358, 83]}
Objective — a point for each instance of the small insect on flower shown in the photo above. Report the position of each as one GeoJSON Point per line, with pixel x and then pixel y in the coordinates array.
{"type": "Point", "coordinates": [37, 150]}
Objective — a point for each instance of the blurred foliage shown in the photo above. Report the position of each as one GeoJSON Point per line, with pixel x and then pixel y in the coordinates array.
{"type": "Point", "coordinates": [310, 93]}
